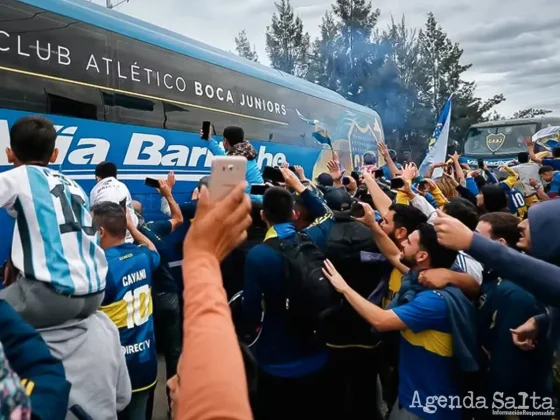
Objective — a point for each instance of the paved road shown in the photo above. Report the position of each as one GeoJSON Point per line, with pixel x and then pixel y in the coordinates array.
{"type": "Point", "coordinates": [160, 403]}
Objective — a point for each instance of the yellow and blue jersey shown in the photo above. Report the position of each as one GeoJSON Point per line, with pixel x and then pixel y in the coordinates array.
{"type": "Point", "coordinates": [128, 302]}
{"type": "Point", "coordinates": [426, 364]}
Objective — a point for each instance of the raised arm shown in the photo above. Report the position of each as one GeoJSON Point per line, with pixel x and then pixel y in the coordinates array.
{"type": "Point", "coordinates": [174, 210]}
{"type": "Point", "coordinates": [383, 242]}
{"type": "Point", "coordinates": [211, 382]}
{"type": "Point", "coordinates": [380, 199]}
{"type": "Point", "coordinates": [384, 151]}
{"type": "Point", "coordinates": [531, 150]}
{"type": "Point", "coordinates": [508, 263]}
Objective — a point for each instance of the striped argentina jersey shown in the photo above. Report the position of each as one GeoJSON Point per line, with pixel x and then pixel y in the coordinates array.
{"type": "Point", "coordinates": [54, 240]}
{"type": "Point", "coordinates": [128, 302]}
{"type": "Point", "coordinates": [114, 191]}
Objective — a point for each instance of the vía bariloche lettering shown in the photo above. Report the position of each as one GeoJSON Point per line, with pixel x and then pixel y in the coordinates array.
{"type": "Point", "coordinates": [142, 150]}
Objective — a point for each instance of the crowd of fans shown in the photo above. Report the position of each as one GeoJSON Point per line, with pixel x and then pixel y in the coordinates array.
{"type": "Point", "coordinates": [376, 294]}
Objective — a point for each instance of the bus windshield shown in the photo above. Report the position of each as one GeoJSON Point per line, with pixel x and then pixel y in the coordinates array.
{"type": "Point", "coordinates": [499, 140]}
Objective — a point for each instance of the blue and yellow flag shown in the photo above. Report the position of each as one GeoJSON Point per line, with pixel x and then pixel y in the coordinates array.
{"type": "Point", "coordinates": [320, 133]}
{"type": "Point", "coordinates": [437, 146]}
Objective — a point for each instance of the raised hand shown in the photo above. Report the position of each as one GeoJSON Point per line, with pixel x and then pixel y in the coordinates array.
{"type": "Point", "coordinates": [334, 170]}
{"type": "Point", "coordinates": [368, 218]}
{"type": "Point", "coordinates": [292, 181]}
{"type": "Point", "coordinates": [451, 233]}
{"type": "Point", "coordinates": [300, 171]}
{"type": "Point", "coordinates": [171, 179]}
{"type": "Point", "coordinates": [219, 226]}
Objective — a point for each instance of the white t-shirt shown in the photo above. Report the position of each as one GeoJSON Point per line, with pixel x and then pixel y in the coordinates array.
{"type": "Point", "coordinates": [54, 240]}
{"type": "Point", "coordinates": [112, 190]}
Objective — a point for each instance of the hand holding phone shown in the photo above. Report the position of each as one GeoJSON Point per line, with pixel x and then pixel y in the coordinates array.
{"type": "Point", "coordinates": [151, 182]}
{"type": "Point", "coordinates": [481, 163]}
{"type": "Point", "coordinates": [397, 183]}
{"type": "Point", "coordinates": [227, 172]}
{"type": "Point", "coordinates": [205, 131]}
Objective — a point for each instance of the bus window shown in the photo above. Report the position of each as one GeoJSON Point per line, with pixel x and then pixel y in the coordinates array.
{"type": "Point", "coordinates": [135, 110]}
{"type": "Point", "coordinates": [22, 92]}
{"type": "Point", "coordinates": [74, 101]}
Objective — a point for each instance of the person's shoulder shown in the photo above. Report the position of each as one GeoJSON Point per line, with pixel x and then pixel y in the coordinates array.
{"type": "Point", "coordinates": [430, 298]}
{"type": "Point", "coordinates": [509, 289]}
{"type": "Point", "coordinates": [262, 254]}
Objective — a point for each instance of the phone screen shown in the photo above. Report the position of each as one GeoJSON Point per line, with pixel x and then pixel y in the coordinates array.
{"type": "Point", "coordinates": [151, 182]}
{"type": "Point", "coordinates": [273, 174]}
{"type": "Point", "coordinates": [481, 163]}
{"type": "Point", "coordinates": [397, 183]}
{"type": "Point", "coordinates": [206, 130]}
{"type": "Point", "coordinates": [357, 211]}
{"type": "Point", "coordinates": [259, 189]}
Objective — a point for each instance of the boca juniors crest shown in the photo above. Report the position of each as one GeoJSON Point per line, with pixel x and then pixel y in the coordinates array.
{"type": "Point", "coordinates": [495, 141]}
{"type": "Point", "coordinates": [362, 140]}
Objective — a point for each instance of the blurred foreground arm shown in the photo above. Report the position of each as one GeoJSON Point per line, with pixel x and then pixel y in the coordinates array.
{"type": "Point", "coordinates": [211, 379]}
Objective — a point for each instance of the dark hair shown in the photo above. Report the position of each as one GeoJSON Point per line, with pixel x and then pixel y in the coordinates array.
{"type": "Point", "coordinates": [556, 152]}
{"type": "Point", "coordinates": [495, 198]}
{"type": "Point", "coordinates": [370, 158]}
{"type": "Point", "coordinates": [278, 205]}
{"type": "Point", "coordinates": [204, 181]}
{"type": "Point", "coordinates": [304, 213]}
{"type": "Point", "coordinates": [325, 180]}
{"type": "Point", "coordinates": [462, 209]}
{"type": "Point", "coordinates": [234, 135]}
{"type": "Point", "coordinates": [440, 257]}
{"type": "Point", "coordinates": [106, 170]}
{"type": "Point", "coordinates": [111, 217]}
{"type": "Point", "coordinates": [480, 181]}
{"type": "Point", "coordinates": [546, 169]}
{"type": "Point", "coordinates": [523, 157]}
{"type": "Point", "coordinates": [408, 217]}
{"type": "Point", "coordinates": [504, 225]}
{"type": "Point", "coordinates": [32, 139]}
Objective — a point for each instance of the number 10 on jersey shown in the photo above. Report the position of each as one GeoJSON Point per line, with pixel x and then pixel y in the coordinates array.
{"type": "Point", "coordinates": [138, 306]}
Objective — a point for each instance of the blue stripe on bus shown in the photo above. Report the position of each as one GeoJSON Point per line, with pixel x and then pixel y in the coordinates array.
{"type": "Point", "coordinates": [55, 259]}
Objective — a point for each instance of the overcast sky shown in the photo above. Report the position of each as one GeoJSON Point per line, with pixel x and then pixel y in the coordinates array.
{"type": "Point", "coordinates": [514, 45]}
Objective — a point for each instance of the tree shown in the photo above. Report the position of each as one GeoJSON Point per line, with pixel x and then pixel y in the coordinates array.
{"type": "Point", "coordinates": [531, 113]}
{"type": "Point", "coordinates": [243, 47]}
{"type": "Point", "coordinates": [406, 112]}
{"type": "Point", "coordinates": [323, 56]}
{"type": "Point", "coordinates": [287, 45]}
{"type": "Point", "coordinates": [441, 59]}
{"type": "Point", "coordinates": [357, 60]}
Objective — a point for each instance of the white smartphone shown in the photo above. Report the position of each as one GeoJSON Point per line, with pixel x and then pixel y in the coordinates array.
{"type": "Point", "coordinates": [227, 172]}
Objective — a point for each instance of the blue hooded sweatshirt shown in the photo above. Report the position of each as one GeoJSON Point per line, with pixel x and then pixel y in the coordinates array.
{"type": "Point", "coordinates": [41, 374]}
{"type": "Point", "coordinates": [539, 273]}
{"type": "Point", "coordinates": [253, 174]}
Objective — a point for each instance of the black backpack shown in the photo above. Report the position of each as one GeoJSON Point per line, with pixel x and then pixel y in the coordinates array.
{"type": "Point", "coordinates": [309, 294]}
{"type": "Point", "coordinates": [345, 244]}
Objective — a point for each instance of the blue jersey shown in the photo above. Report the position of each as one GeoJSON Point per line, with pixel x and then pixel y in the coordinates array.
{"type": "Point", "coordinates": [516, 200]}
{"type": "Point", "coordinates": [54, 239]}
{"type": "Point", "coordinates": [128, 302]}
{"type": "Point", "coordinates": [426, 362]}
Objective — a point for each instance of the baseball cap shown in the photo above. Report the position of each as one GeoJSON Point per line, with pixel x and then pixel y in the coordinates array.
{"type": "Point", "coordinates": [325, 180]}
{"type": "Point", "coordinates": [338, 199]}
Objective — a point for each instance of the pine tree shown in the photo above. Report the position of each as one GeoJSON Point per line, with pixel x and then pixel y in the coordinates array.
{"type": "Point", "coordinates": [356, 59]}
{"type": "Point", "coordinates": [287, 45]}
{"type": "Point", "coordinates": [531, 113]}
{"type": "Point", "coordinates": [243, 47]}
{"type": "Point", "coordinates": [323, 56]}
{"type": "Point", "coordinates": [441, 60]}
